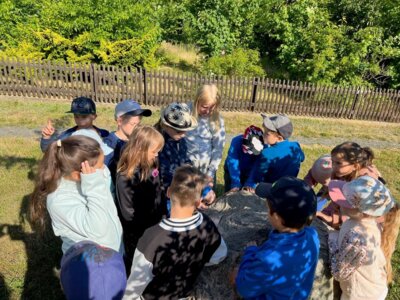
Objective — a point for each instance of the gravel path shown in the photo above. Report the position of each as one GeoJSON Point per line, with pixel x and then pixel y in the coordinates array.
{"type": "Point", "coordinates": [374, 144]}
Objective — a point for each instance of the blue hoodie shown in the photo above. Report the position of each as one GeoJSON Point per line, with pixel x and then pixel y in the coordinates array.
{"type": "Point", "coordinates": [238, 163]}
{"type": "Point", "coordinates": [281, 268]}
{"type": "Point", "coordinates": [282, 159]}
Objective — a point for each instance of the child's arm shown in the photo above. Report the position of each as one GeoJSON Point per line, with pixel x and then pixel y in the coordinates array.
{"type": "Point", "coordinates": [309, 179]}
{"type": "Point", "coordinates": [219, 254]}
{"type": "Point", "coordinates": [47, 135]}
{"type": "Point", "coordinates": [96, 189]}
{"type": "Point", "coordinates": [125, 197]}
{"type": "Point", "coordinates": [260, 167]}
{"type": "Point", "coordinates": [218, 142]}
{"type": "Point", "coordinates": [141, 276]}
{"type": "Point", "coordinates": [232, 163]}
{"type": "Point", "coordinates": [92, 218]}
{"type": "Point", "coordinates": [348, 256]}
{"type": "Point", "coordinates": [255, 276]}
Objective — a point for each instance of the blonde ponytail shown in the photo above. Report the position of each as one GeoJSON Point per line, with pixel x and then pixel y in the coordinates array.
{"type": "Point", "coordinates": [389, 236]}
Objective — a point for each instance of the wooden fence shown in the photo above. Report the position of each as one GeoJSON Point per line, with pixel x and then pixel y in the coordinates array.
{"type": "Point", "coordinates": [111, 84]}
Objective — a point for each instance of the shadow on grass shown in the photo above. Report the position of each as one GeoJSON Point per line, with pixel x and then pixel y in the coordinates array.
{"type": "Point", "coordinates": [43, 251]}
{"type": "Point", "coordinates": [4, 291]}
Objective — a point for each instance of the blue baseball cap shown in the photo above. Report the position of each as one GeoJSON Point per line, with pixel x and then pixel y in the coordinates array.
{"type": "Point", "coordinates": [90, 271]}
{"type": "Point", "coordinates": [132, 108]}
{"type": "Point", "coordinates": [83, 106]}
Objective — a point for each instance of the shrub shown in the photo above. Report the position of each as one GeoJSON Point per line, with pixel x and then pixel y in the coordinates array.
{"type": "Point", "coordinates": [241, 62]}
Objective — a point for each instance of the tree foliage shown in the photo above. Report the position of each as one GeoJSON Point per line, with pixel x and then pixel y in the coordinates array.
{"type": "Point", "coordinates": [241, 62]}
{"type": "Point", "coordinates": [102, 31]}
{"type": "Point", "coordinates": [327, 41]}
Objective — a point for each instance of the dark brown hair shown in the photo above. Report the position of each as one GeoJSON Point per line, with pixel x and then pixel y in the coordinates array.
{"type": "Point", "coordinates": [353, 153]}
{"type": "Point", "coordinates": [290, 223]}
{"type": "Point", "coordinates": [60, 159]}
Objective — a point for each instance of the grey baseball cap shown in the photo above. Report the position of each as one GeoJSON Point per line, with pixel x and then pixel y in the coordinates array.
{"type": "Point", "coordinates": [279, 123]}
{"type": "Point", "coordinates": [132, 108]}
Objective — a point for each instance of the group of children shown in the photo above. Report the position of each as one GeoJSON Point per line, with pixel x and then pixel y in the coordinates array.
{"type": "Point", "coordinates": [129, 205]}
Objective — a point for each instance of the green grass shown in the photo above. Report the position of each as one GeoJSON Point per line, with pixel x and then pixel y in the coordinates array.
{"type": "Point", "coordinates": [34, 114]}
{"type": "Point", "coordinates": [27, 261]}
{"type": "Point", "coordinates": [178, 57]}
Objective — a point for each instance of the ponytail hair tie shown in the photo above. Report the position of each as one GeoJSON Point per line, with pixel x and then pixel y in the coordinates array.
{"type": "Point", "coordinates": [59, 143]}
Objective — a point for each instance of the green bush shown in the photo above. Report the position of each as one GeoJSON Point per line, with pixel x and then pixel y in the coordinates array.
{"type": "Point", "coordinates": [241, 62]}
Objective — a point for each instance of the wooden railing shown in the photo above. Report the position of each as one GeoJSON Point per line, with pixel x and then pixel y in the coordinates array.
{"type": "Point", "coordinates": [112, 84]}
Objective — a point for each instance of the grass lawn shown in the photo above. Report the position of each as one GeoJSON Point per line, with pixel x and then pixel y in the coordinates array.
{"type": "Point", "coordinates": [27, 262]}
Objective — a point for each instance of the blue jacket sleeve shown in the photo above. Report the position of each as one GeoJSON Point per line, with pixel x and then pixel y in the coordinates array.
{"type": "Point", "coordinates": [255, 277]}
{"type": "Point", "coordinates": [260, 168]}
{"type": "Point", "coordinates": [233, 161]}
{"type": "Point", "coordinates": [44, 143]}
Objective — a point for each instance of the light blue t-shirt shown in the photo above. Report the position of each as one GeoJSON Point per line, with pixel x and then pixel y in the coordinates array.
{"type": "Point", "coordinates": [85, 210]}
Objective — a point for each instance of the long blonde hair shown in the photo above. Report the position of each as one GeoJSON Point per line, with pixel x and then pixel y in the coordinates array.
{"type": "Point", "coordinates": [61, 159]}
{"type": "Point", "coordinates": [135, 155]}
{"type": "Point", "coordinates": [389, 236]}
{"type": "Point", "coordinates": [208, 94]}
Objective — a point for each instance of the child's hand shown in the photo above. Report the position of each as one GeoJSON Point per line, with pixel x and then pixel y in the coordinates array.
{"type": "Point", "coordinates": [324, 217]}
{"type": "Point", "coordinates": [251, 243]}
{"type": "Point", "coordinates": [207, 200]}
{"type": "Point", "coordinates": [249, 189]}
{"type": "Point", "coordinates": [86, 168]}
{"type": "Point", "coordinates": [48, 130]}
{"type": "Point", "coordinates": [210, 181]}
{"type": "Point", "coordinates": [232, 276]}
{"type": "Point", "coordinates": [231, 191]}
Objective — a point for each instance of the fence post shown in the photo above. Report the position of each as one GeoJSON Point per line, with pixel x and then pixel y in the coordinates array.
{"type": "Point", "coordinates": [93, 80]}
{"type": "Point", "coordinates": [144, 86]}
{"type": "Point", "coordinates": [254, 94]}
{"type": "Point", "coordinates": [354, 105]}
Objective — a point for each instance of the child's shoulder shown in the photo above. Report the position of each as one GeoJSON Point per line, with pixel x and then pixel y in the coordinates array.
{"type": "Point", "coordinates": [312, 232]}
{"type": "Point", "coordinates": [112, 140]}
{"type": "Point", "coordinates": [237, 141]}
{"type": "Point", "coordinates": [103, 132]}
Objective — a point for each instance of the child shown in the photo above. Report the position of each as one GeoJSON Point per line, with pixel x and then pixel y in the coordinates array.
{"type": "Point", "coordinates": [350, 160]}
{"type": "Point", "coordinates": [242, 154]}
{"type": "Point", "coordinates": [320, 172]}
{"type": "Point", "coordinates": [175, 122]}
{"type": "Point", "coordinates": [171, 254]}
{"type": "Point", "coordinates": [206, 142]}
{"type": "Point", "coordinates": [74, 185]}
{"type": "Point", "coordinates": [281, 158]}
{"type": "Point", "coordinates": [139, 192]}
{"type": "Point", "coordinates": [90, 271]}
{"type": "Point", "coordinates": [128, 114]}
{"type": "Point", "coordinates": [360, 253]}
{"type": "Point", "coordinates": [284, 266]}
{"type": "Point", "coordinates": [84, 110]}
